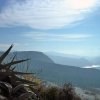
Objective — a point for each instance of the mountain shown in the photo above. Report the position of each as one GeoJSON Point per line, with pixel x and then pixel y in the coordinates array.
{"type": "Point", "coordinates": [62, 54]}
{"type": "Point", "coordinates": [71, 60]}
{"type": "Point", "coordinates": [34, 56]}
{"type": "Point", "coordinates": [77, 76]}
{"type": "Point", "coordinates": [96, 60]}
{"type": "Point", "coordinates": [46, 69]}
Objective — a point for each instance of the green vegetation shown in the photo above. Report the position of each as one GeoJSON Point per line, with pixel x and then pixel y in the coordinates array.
{"type": "Point", "coordinates": [15, 85]}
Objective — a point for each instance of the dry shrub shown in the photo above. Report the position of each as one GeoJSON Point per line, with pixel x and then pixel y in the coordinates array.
{"type": "Point", "coordinates": [58, 93]}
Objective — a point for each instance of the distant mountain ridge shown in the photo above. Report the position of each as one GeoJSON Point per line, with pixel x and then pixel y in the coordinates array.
{"type": "Point", "coordinates": [45, 68]}
{"type": "Point", "coordinates": [35, 56]}
{"type": "Point", "coordinates": [71, 60]}
{"type": "Point", "coordinates": [80, 62]}
{"type": "Point", "coordinates": [32, 55]}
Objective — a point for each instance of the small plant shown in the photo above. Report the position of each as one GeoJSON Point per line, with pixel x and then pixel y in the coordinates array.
{"type": "Point", "coordinates": [11, 85]}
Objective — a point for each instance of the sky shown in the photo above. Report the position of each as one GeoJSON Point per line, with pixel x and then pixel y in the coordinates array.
{"type": "Point", "coordinates": [64, 26]}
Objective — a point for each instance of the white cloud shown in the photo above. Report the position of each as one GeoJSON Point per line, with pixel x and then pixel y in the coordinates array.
{"type": "Point", "coordinates": [46, 14]}
{"type": "Point", "coordinates": [92, 66]}
{"type": "Point", "coordinates": [56, 37]}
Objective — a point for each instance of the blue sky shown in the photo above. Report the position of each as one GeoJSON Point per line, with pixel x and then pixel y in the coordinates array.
{"type": "Point", "coordinates": [66, 26]}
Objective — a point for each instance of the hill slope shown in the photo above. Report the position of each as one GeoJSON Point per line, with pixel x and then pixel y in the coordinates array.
{"type": "Point", "coordinates": [46, 69]}
{"type": "Point", "coordinates": [34, 56]}
{"type": "Point", "coordinates": [72, 61]}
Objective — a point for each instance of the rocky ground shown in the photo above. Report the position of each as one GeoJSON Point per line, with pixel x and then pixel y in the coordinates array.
{"type": "Point", "coordinates": [87, 94]}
